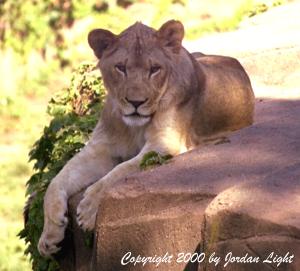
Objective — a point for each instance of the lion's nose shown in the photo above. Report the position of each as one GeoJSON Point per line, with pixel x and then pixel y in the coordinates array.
{"type": "Point", "coordinates": [136, 103]}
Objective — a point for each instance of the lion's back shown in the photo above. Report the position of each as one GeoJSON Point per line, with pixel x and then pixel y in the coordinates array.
{"type": "Point", "coordinates": [227, 102]}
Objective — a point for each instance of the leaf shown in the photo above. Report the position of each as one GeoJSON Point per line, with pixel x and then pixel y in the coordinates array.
{"type": "Point", "coordinates": [152, 159]}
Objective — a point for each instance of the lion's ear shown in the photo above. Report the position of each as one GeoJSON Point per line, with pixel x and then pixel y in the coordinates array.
{"type": "Point", "coordinates": [171, 34]}
{"type": "Point", "coordinates": [99, 40]}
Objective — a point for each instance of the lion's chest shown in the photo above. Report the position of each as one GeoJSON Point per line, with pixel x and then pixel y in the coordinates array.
{"type": "Point", "coordinates": [130, 145]}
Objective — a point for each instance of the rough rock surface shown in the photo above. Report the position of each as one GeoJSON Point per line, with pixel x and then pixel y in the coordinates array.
{"type": "Point", "coordinates": [258, 219]}
{"type": "Point", "coordinates": [240, 196]}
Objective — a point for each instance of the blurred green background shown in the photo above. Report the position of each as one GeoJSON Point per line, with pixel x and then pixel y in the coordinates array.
{"type": "Point", "coordinates": [40, 43]}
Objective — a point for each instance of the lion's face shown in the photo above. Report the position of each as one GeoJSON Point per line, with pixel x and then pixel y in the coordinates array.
{"type": "Point", "coordinates": [136, 67]}
{"type": "Point", "coordinates": [136, 81]}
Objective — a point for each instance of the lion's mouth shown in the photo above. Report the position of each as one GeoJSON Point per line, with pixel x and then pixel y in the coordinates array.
{"type": "Point", "coordinates": [136, 119]}
{"type": "Point", "coordinates": [136, 114]}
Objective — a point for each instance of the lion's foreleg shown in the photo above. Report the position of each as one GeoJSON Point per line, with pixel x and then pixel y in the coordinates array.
{"type": "Point", "coordinates": [82, 170]}
{"type": "Point", "coordinates": [88, 207]}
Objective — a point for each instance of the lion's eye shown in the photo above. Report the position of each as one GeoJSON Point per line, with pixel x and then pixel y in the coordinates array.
{"type": "Point", "coordinates": [154, 70]}
{"type": "Point", "coordinates": [121, 68]}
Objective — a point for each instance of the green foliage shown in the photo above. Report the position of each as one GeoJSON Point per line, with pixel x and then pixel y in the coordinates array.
{"type": "Point", "coordinates": [39, 25]}
{"type": "Point", "coordinates": [74, 114]}
{"type": "Point", "coordinates": [152, 159]}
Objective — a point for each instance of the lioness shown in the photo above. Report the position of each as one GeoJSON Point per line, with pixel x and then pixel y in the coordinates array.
{"type": "Point", "coordinates": [160, 98]}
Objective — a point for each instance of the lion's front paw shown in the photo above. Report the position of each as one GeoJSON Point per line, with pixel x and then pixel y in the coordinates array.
{"type": "Point", "coordinates": [88, 207]}
{"type": "Point", "coordinates": [52, 235]}
{"type": "Point", "coordinates": [55, 221]}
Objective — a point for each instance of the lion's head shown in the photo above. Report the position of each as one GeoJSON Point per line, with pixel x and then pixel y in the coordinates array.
{"type": "Point", "coordinates": [138, 67]}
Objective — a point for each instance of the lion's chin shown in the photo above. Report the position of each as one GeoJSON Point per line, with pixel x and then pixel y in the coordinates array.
{"type": "Point", "coordinates": [136, 120]}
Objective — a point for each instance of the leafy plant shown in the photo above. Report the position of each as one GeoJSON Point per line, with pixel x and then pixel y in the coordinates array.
{"type": "Point", "coordinates": [152, 159]}
{"type": "Point", "coordinates": [74, 114]}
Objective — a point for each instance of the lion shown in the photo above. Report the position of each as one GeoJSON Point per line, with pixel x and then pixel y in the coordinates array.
{"type": "Point", "coordinates": [160, 98]}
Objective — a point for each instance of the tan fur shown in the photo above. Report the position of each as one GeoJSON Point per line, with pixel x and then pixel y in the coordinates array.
{"type": "Point", "coordinates": [181, 101]}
